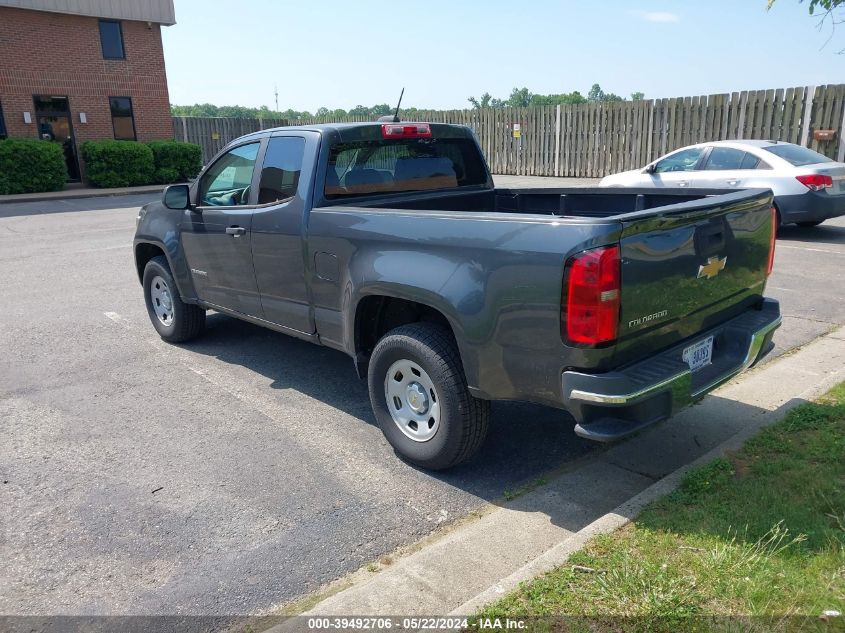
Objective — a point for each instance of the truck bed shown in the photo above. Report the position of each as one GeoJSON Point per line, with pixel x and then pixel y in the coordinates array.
{"type": "Point", "coordinates": [690, 259]}
{"type": "Point", "coordinates": [580, 202]}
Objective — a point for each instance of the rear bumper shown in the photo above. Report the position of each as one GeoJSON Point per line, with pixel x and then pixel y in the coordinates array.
{"type": "Point", "coordinates": [616, 404]}
{"type": "Point", "coordinates": [813, 206]}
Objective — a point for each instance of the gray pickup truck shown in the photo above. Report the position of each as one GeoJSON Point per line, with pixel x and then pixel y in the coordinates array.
{"type": "Point", "coordinates": [388, 241]}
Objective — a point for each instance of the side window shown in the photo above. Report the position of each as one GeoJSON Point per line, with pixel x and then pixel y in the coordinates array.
{"type": "Point", "coordinates": [281, 169]}
{"type": "Point", "coordinates": [227, 181]}
{"type": "Point", "coordinates": [684, 160]}
{"type": "Point", "coordinates": [750, 161]}
{"type": "Point", "coordinates": [122, 118]}
{"type": "Point", "coordinates": [2, 123]}
{"type": "Point", "coordinates": [759, 163]}
{"type": "Point", "coordinates": [111, 40]}
{"type": "Point", "coordinates": [724, 158]}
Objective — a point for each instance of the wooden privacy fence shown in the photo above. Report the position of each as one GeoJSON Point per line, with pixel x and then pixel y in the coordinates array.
{"type": "Point", "coordinates": [595, 139]}
{"type": "Point", "coordinates": [213, 133]}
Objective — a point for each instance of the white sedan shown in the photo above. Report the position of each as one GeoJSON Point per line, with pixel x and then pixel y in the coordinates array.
{"type": "Point", "coordinates": [809, 187]}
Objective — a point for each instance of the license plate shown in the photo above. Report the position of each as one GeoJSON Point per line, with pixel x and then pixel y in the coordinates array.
{"type": "Point", "coordinates": [699, 354]}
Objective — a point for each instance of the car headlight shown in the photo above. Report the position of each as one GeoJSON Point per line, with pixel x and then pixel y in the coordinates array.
{"type": "Point", "coordinates": [141, 213]}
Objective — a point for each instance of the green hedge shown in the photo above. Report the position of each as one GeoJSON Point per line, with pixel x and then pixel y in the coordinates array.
{"type": "Point", "coordinates": [130, 163]}
{"type": "Point", "coordinates": [175, 161]}
{"type": "Point", "coordinates": [31, 165]}
{"type": "Point", "coordinates": [118, 163]}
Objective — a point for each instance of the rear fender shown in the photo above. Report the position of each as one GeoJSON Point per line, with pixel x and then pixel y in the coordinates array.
{"type": "Point", "coordinates": [444, 283]}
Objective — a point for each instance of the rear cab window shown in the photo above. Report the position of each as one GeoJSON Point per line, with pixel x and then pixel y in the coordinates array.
{"type": "Point", "coordinates": [401, 165]}
{"type": "Point", "coordinates": [796, 155]}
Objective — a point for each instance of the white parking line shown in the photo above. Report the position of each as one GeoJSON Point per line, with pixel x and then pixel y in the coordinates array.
{"type": "Point", "coordinates": [807, 248]}
{"type": "Point", "coordinates": [114, 316]}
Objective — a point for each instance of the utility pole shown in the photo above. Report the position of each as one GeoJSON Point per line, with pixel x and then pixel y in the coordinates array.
{"type": "Point", "coordinates": [276, 92]}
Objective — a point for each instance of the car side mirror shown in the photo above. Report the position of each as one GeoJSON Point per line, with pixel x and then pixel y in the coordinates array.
{"type": "Point", "coordinates": [651, 168]}
{"type": "Point", "coordinates": [177, 197]}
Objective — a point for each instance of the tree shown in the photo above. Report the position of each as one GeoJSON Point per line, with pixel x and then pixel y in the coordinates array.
{"type": "Point", "coordinates": [597, 95]}
{"type": "Point", "coordinates": [484, 102]}
{"type": "Point", "coordinates": [833, 12]}
{"type": "Point", "coordinates": [520, 98]}
{"type": "Point", "coordinates": [381, 109]}
{"type": "Point", "coordinates": [637, 96]}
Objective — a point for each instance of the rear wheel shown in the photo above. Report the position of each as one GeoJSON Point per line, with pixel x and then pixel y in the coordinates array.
{"type": "Point", "coordinates": [174, 320]}
{"type": "Point", "coordinates": [808, 225]}
{"type": "Point", "coordinates": [420, 397]}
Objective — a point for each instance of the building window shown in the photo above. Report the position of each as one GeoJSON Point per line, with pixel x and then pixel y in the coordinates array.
{"type": "Point", "coordinates": [111, 40]}
{"type": "Point", "coordinates": [121, 118]}
{"type": "Point", "coordinates": [2, 123]}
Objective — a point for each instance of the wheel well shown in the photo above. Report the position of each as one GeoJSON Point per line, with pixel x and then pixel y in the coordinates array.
{"type": "Point", "coordinates": [376, 315]}
{"type": "Point", "coordinates": [143, 254]}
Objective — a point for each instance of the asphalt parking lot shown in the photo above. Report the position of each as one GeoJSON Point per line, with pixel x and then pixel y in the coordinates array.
{"type": "Point", "coordinates": [240, 471]}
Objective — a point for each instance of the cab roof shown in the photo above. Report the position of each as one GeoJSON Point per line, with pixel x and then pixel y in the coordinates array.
{"type": "Point", "coordinates": [362, 131]}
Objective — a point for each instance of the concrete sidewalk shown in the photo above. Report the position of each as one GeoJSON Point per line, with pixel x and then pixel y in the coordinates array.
{"type": "Point", "coordinates": [79, 192]}
{"type": "Point", "coordinates": [481, 560]}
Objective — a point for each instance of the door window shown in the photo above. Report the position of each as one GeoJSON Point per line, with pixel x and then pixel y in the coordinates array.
{"type": "Point", "coordinates": [281, 169]}
{"type": "Point", "coordinates": [52, 114]}
{"type": "Point", "coordinates": [684, 160]}
{"type": "Point", "coordinates": [724, 158]}
{"type": "Point", "coordinates": [227, 181]}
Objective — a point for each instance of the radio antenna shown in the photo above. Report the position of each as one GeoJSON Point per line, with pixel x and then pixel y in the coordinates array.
{"type": "Point", "coordinates": [396, 114]}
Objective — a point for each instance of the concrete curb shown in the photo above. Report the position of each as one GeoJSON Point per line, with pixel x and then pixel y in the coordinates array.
{"type": "Point", "coordinates": [71, 194]}
{"type": "Point", "coordinates": [627, 512]}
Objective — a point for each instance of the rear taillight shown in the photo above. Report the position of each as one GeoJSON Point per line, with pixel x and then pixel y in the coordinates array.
{"type": "Point", "coordinates": [772, 241]}
{"type": "Point", "coordinates": [815, 182]}
{"type": "Point", "coordinates": [406, 130]}
{"type": "Point", "coordinates": [590, 314]}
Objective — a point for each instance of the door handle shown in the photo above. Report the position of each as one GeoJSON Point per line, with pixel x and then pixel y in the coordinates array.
{"type": "Point", "coordinates": [235, 231]}
{"type": "Point", "coordinates": [733, 181]}
{"type": "Point", "coordinates": [683, 183]}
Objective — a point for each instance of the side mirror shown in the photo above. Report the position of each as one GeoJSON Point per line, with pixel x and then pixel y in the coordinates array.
{"type": "Point", "coordinates": [651, 168]}
{"type": "Point", "coordinates": [177, 197]}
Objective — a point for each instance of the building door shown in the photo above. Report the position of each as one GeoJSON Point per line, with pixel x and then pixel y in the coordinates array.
{"type": "Point", "coordinates": [52, 115]}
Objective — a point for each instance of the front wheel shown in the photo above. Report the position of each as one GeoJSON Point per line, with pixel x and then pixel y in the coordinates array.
{"type": "Point", "coordinates": [174, 320]}
{"type": "Point", "coordinates": [420, 397]}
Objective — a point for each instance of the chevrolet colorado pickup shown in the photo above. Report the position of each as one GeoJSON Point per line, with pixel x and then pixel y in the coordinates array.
{"type": "Point", "coordinates": [389, 242]}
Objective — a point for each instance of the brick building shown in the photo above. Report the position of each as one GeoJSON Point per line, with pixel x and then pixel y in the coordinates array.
{"type": "Point", "coordinates": [79, 70]}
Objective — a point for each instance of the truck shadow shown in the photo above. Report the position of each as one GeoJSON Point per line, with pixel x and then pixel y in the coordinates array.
{"type": "Point", "coordinates": [532, 461]}
{"type": "Point", "coordinates": [525, 441]}
{"type": "Point", "coordinates": [822, 234]}
{"type": "Point", "coordinates": [578, 496]}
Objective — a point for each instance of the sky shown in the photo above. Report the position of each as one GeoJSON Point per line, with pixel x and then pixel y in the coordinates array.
{"type": "Point", "coordinates": [362, 52]}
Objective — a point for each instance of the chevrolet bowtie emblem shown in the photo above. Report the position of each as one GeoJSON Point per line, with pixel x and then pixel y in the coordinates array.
{"type": "Point", "coordinates": [712, 267]}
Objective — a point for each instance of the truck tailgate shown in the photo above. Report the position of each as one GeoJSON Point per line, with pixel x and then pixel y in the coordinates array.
{"type": "Point", "coordinates": [690, 266]}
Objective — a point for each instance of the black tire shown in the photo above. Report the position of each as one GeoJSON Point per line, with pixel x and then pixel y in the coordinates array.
{"type": "Point", "coordinates": [187, 321]}
{"type": "Point", "coordinates": [463, 419]}
{"type": "Point", "coordinates": [808, 225]}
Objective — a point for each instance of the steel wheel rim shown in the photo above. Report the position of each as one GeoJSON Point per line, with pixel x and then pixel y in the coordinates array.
{"type": "Point", "coordinates": [412, 400]}
{"type": "Point", "coordinates": [161, 300]}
